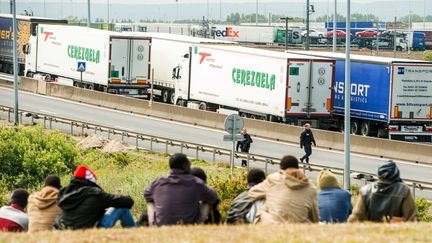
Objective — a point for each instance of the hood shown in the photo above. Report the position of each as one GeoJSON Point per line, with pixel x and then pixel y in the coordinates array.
{"type": "Point", "coordinates": [294, 178]}
{"type": "Point", "coordinates": [45, 198]}
{"type": "Point", "coordinates": [76, 192]}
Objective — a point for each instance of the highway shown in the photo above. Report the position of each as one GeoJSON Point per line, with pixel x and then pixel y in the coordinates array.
{"type": "Point", "coordinates": [195, 134]}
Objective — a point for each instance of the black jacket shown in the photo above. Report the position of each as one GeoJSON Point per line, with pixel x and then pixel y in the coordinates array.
{"type": "Point", "coordinates": [307, 138]}
{"type": "Point", "coordinates": [83, 204]}
{"type": "Point", "coordinates": [245, 143]}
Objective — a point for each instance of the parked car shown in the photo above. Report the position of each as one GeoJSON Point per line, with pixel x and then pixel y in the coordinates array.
{"type": "Point", "coordinates": [313, 33]}
{"type": "Point", "coordinates": [339, 34]}
{"type": "Point", "coordinates": [387, 33]}
{"type": "Point", "coordinates": [367, 33]}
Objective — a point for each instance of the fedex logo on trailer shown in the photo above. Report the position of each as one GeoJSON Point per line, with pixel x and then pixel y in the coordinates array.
{"type": "Point", "coordinates": [228, 32]}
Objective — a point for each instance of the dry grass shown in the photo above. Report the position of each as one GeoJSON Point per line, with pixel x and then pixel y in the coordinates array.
{"type": "Point", "coordinates": [281, 233]}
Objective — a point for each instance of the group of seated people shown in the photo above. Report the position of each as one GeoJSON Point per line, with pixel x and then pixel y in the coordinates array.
{"type": "Point", "coordinates": [183, 197]}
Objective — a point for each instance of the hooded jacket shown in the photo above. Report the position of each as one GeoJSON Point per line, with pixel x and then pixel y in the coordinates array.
{"type": "Point", "coordinates": [42, 209]}
{"type": "Point", "coordinates": [383, 201]}
{"type": "Point", "coordinates": [83, 204]}
{"type": "Point", "coordinates": [289, 198]}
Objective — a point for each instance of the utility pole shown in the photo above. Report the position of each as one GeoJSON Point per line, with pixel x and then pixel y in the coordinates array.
{"type": "Point", "coordinates": [177, 8]}
{"type": "Point", "coordinates": [256, 13]}
{"type": "Point", "coordinates": [88, 14]}
{"type": "Point", "coordinates": [220, 11]}
{"type": "Point", "coordinates": [377, 38]}
{"type": "Point", "coordinates": [424, 14]}
{"type": "Point", "coordinates": [15, 62]}
{"type": "Point", "coordinates": [286, 19]}
{"type": "Point", "coordinates": [347, 180]}
{"type": "Point", "coordinates": [394, 38]}
{"type": "Point", "coordinates": [108, 14]}
{"type": "Point", "coordinates": [334, 26]}
{"type": "Point", "coordinates": [307, 26]}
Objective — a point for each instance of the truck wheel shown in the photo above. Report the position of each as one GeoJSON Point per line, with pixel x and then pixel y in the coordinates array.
{"type": "Point", "coordinates": [244, 115]}
{"type": "Point", "coordinates": [398, 48]}
{"type": "Point", "coordinates": [202, 106]}
{"type": "Point", "coordinates": [172, 97]}
{"type": "Point", "coordinates": [263, 118]}
{"type": "Point", "coordinates": [365, 129]}
{"type": "Point", "coordinates": [165, 96]}
{"type": "Point", "coordinates": [252, 116]}
{"type": "Point", "coordinates": [355, 127]}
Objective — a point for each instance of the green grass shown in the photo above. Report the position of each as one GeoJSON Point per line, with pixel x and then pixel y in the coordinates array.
{"type": "Point", "coordinates": [130, 173]}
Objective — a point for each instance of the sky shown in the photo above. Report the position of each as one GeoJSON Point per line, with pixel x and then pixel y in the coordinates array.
{"type": "Point", "coordinates": [166, 9]}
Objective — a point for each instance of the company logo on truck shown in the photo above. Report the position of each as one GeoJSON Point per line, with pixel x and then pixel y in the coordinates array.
{"type": "Point", "coordinates": [228, 32]}
{"type": "Point", "coordinates": [401, 70]}
{"type": "Point", "coordinates": [253, 78]}
{"type": "Point", "coordinates": [83, 53]}
{"type": "Point", "coordinates": [203, 56]}
{"type": "Point", "coordinates": [359, 92]}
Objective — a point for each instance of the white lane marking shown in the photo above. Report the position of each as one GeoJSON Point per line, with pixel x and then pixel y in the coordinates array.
{"type": "Point", "coordinates": [213, 129]}
{"type": "Point", "coordinates": [48, 112]}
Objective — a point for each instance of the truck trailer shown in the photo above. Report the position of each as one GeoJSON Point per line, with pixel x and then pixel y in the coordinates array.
{"type": "Point", "coordinates": [168, 51]}
{"type": "Point", "coordinates": [389, 97]}
{"type": "Point", "coordinates": [256, 83]}
{"type": "Point", "coordinates": [251, 34]}
{"type": "Point", "coordinates": [96, 59]}
{"type": "Point", "coordinates": [26, 26]}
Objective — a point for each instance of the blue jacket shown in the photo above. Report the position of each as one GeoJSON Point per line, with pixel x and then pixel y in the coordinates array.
{"type": "Point", "coordinates": [334, 205]}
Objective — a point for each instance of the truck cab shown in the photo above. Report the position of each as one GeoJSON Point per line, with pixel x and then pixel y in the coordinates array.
{"type": "Point", "coordinates": [416, 41]}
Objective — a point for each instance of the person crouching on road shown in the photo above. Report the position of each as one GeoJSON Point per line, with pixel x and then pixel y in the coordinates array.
{"type": "Point", "coordinates": [306, 140]}
{"type": "Point", "coordinates": [176, 198]}
{"type": "Point", "coordinates": [288, 194]}
{"type": "Point", "coordinates": [388, 200]}
{"type": "Point", "coordinates": [85, 205]}
{"type": "Point", "coordinates": [334, 202]}
{"type": "Point", "coordinates": [244, 145]}
{"type": "Point", "coordinates": [42, 208]}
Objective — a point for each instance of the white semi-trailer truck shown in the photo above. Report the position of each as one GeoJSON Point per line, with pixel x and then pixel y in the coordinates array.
{"type": "Point", "coordinates": [106, 61]}
{"type": "Point", "coordinates": [256, 83]}
{"type": "Point", "coordinates": [168, 51]}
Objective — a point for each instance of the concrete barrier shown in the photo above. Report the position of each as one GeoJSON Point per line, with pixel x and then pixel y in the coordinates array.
{"type": "Point", "coordinates": [282, 132]}
{"type": "Point", "coordinates": [27, 84]}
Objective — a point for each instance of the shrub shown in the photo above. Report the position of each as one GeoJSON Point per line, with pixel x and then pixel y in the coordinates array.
{"type": "Point", "coordinates": [424, 210]}
{"type": "Point", "coordinates": [28, 155]}
{"type": "Point", "coordinates": [427, 56]}
{"type": "Point", "coordinates": [227, 188]}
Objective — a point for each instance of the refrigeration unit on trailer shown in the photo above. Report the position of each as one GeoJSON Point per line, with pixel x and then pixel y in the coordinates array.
{"type": "Point", "coordinates": [389, 97]}
{"type": "Point", "coordinates": [168, 51]}
{"type": "Point", "coordinates": [112, 62]}
{"type": "Point", "coordinates": [256, 83]}
{"type": "Point", "coordinates": [26, 26]}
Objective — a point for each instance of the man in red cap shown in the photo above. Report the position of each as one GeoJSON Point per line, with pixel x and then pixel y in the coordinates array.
{"type": "Point", "coordinates": [84, 204]}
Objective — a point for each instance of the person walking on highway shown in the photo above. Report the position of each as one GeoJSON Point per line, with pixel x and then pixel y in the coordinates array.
{"type": "Point", "coordinates": [244, 145]}
{"type": "Point", "coordinates": [388, 200]}
{"type": "Point", "coordinates": [306, 140]}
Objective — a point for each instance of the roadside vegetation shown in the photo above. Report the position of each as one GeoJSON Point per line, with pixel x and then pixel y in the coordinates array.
{"type": "Point", "coordinates": [30, 153]}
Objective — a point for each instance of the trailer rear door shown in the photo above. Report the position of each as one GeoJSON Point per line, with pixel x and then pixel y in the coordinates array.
{"type": "Point", "coordinates": [411, 94]}
{"type": "Point", "coordinates": [298, 86]}
{"type": "Point", "coordinates": [119, 69]}
{"type": "Point", "coordinates": [139, 59]}
{"type": "Point", "coordinates": [321, 91]}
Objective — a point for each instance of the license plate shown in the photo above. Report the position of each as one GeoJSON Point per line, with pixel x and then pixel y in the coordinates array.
{"type": "Point", "coordinates": [411, 129]}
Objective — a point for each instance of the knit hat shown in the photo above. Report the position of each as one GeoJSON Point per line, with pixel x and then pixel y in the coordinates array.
{"type": "Point", "coordinates": [327, 179]}
{"type": "Point", "coordinates": [85, 173]}
{"type": "Point", "coordinates": [389, 171]}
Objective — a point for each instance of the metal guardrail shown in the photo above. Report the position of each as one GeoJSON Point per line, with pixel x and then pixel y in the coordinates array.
{"type": "Point", "coordinates": [49, 119]}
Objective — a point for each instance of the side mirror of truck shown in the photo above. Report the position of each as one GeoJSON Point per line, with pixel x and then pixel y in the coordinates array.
{"type": "Point", "coordinates": [26, 49]}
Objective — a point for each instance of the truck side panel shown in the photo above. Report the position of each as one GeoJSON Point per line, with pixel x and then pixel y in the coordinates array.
{"type": "Point", "coordinates": [411, 92]}
{"type": "Point", "coordinates": [235, 79]}
{"type": "Point", "coordinates": [60, 49]}
{"type": "Point", "coordinates": [6, 39]}
{"type": "Point", "coordinates": [370, 84]}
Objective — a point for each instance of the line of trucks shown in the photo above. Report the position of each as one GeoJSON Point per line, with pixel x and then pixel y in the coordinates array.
{"type": "Point", "coordinates": [268, 34]}
{"type": "Point", "coordinates": [389, 97]}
